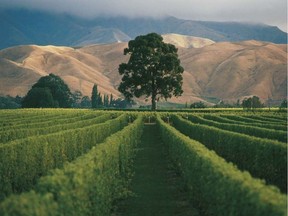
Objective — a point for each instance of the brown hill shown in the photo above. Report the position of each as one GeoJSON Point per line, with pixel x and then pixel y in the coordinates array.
{"type": "Point", "coordinates": [230, 71]}
{"type": "Point", "coordinates": [226, 71]}
{"type": "Point", "coordinates": [185, 41]}
{"type": "Point", "coordinates": [22, 66]}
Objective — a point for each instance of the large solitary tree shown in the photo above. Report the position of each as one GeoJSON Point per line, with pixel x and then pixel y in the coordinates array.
{"type": "Point", "coordinates": [153, 69]}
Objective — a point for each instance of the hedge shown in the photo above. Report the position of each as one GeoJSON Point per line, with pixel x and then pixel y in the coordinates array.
{"type": "Point", "coordinates": [88, 185]}
{"type": "Point", "coordinates": [24, 161]}
{"type": "Point", "coordinates": [220, 119]}
{"type": "Point", "coordinates": [218, 187]}
{"type": "Point", "coordinates": [263, 158]}
{"type": "Point", "coordinates": [245, 129]}
{"type": "Point", "coordinates": [13, 134]}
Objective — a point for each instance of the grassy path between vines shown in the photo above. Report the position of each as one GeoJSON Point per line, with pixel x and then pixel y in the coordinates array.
{"type": "Point", "coordinates": [157, 188]}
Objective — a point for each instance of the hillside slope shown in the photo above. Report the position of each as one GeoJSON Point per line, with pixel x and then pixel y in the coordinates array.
{"type": "Point", "coordinates": [230, 71]}
{"type": "Point", "coordinates": [185, 41]}
{"type": "Point", "coordinates": [223, 71]}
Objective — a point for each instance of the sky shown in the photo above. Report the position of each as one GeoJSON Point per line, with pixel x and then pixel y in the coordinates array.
{"type": "Point", "coordinates": [271, 12]}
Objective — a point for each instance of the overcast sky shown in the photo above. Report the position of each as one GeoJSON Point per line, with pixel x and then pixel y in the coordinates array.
{"type": "Point", "coordinates": [272, 12]}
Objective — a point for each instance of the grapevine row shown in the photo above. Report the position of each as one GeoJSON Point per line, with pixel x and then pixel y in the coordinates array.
{"type": "Point", "coordinates": [268, 119]}
{"type": "Point", "coordinates": [13, 134]}
{"type": "Point", "coordinates": [220, 119]}
{"type": "Point", "coordinates": [86, 186]}
{"type": "Point", "coordinates": [249, 120]}
{"type": "Point", "coordinates": [218, 187]}
{"type": "Point", "coordinates": [266, 159]}
{"type": "Point", "coordinates": [24, 161]}
{"type": "Point", "coordinates": [45, 121]}
{"type": "Point", "coordinates": [244, 129]}
{"type": "Point", "coordinates": [34, 115]}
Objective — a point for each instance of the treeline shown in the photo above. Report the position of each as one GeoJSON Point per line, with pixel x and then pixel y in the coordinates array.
{"type": "Point", "coordinates": [101, 101]}
{"type": "Point", "coordinates": [250, 103]}
{"type": "Point", "coordinates": [78, 101]}
{"type": "Point", "coordinates": [52, 92]}
{"type": "Point", "coordinates": [8, 102]}
{"type": "Point", "coordinates": [107, 101]}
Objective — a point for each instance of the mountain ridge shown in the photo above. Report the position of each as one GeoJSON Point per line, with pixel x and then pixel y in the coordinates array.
{"type": "Point", "coordinates": [22, 27]}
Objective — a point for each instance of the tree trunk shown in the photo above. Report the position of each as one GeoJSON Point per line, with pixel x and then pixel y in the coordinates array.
{"type": "Point", "coordinates": [154, 93]}
{"type": "Point", "coordinates": [153, 108]}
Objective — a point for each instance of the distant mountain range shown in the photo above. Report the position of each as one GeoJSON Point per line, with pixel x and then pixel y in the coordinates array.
{"type": "Point", "coordinates": [22, 27]}
{"type": "Point", "coordinates": [213, 71]}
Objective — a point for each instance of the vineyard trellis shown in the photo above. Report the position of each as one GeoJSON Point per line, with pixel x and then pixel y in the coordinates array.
{"type": "Point", "coordinates": [78, 162]}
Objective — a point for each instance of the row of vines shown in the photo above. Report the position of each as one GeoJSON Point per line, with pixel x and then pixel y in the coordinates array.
{"type": "Point", "coordinates": [230, 166]}
{"type": "Point", "coordinates": [78, 162]}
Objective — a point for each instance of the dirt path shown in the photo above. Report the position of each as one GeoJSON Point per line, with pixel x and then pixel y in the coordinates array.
{"type": "Point", "coordinates": [157, 188]}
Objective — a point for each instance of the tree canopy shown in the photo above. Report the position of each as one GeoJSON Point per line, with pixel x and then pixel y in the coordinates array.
{"type": "Point", "coordinates": [49, 91]}
{"type": "Point", "coordinates": [8, 102]}
{"type": "Point", "coordinates": [153, 69]}
{"type": "Point", "coordinates": [95, 97]}
{"type": "Point", "coordinates": [283, 104]}
{"type": "Point", "coordinates": [252, 103]}
{"type": "Point", "coordinates": [198, 105]}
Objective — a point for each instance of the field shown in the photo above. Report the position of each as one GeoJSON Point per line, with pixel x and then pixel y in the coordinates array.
{"type": "Point", "coordinates": [88, 162]}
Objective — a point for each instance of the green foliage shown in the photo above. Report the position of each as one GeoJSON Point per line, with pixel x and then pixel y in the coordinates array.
{"type": "Point", "coordinates": [105, 102]}
{"type": "Point", "coordinates": [252, 103]}
{"type": "Point", "coordinates": [266, 159]}
{"type": "Point", "coordinates": [49, 91]}
{"type": "Point", "coordinates": [90, 184]}
{"type": "Point", "coordinates": [29, 204]}
{"type": "Point", "coordinates": [93, 171]}
{"type": "Point", "coordinates": [220, 119]}
{"type": "Point", "coordinates": [39, 98]}
{"type": "Point", "coordinates": [9, 102]}
{"type": "Point", "coordinates": [223, 104]}
{"type": "Point", "coordinates": [152, 70]}
{"type": "Point", "coordinates": [86, 102]}
{"type": "Point", "coordinates": [283, 104]}
{"type": "Point", "coordinates": [268, 119]}
{"type": "Point", "coordinates": [244, 119]}
{"type": "Point", "coordinates": [111, 100]}
{"type": "Point", "coordinates": [198, 105]}
{"type": "Point", "coordinates": [45, 127]}
{"type": "Point", "coordinates": [100, 100]}
{"type": "Point", "coordinates": [244, 129]}
{"type": "Point", "coordinates": [36, 118]}
{"type": "Point", "coordinates": [24, 161]}
{"type": "Point", "coordinates": [218, 187]}
{"type": "Point", "coordinates": [76, 99]}
{"type": "Point", "coordinates": [122, 104]}
{"type": "Point", "coordinates": [95, 97]}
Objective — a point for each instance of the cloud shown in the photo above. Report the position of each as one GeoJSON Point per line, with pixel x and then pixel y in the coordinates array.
{"type": "Point", "coordinates": [273, 12]}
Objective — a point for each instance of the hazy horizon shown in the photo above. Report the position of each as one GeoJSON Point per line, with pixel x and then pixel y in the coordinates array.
{"type": "Point", "coordinates": [270, 12]}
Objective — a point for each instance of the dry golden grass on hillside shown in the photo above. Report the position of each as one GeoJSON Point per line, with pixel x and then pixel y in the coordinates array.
{"type": "Point", "coordinates": [221, 70]}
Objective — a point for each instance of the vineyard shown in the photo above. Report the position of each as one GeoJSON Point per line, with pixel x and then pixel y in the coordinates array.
{"type": "Point", "coordinates": [88, 162]}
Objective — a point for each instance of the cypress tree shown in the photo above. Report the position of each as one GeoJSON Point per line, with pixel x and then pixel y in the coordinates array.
{"type": "Point", "coordinates": [111, 100]}
{"type": "Point", "coordinates": [94, 97]}
{"type": "Point", "coordinates": [100, 101]}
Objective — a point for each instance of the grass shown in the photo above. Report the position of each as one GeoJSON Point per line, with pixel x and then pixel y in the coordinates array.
{"type": "Point", "coordinates": [157, 187]}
